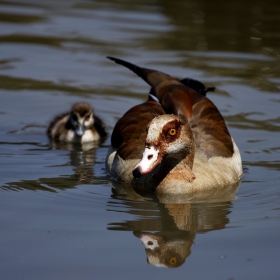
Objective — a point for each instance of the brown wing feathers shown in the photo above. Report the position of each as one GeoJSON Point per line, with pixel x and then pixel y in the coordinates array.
{"type": "Point", "coordinates": [130, 131]}
{"type": "Point", "coordinates": [213, 136]}
{"type": "Point", "coordinates": [176, 98]}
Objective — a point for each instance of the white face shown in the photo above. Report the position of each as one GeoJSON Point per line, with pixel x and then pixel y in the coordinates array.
{"type": "Point", "coordinates": [166, 136]}
{"type": "Point", "coordinates": [149, 242]}
{"type": "Point", "coordinates": [81, 123]}
{"type": "Point", "coordinates": [155, 128]}
{"type": "Point", "coordinates": [148, 161]}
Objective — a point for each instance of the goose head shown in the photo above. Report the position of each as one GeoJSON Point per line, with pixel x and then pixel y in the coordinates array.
{"type": "Point", "coordinates": [81, 118]}
{"type": "Point", "coordinates": [169, 140]}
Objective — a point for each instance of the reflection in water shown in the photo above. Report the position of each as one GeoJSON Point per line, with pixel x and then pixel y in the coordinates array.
{"type": "Point", "coordinates": [81, 158]}
{"type": "Point", "coordinates": [166, 227]}
{"type": "Point", "coordinates": [58, 145]}
{"type": "Point", "coordinates": [167, 249]}
{"type": "Point", "coordinates": [243, 26]}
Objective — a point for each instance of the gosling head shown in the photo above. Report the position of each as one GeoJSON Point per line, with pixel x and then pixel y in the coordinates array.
{"type": "Point", "coordinates": [81, 118]}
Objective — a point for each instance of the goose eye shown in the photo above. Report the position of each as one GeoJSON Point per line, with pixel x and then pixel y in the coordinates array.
{"type": "Point", "coordinates": [173, 260]}
{"type": "Point", "coordinates": [172, 131]}
{"type": "Point", "coordinates": [87, 117]}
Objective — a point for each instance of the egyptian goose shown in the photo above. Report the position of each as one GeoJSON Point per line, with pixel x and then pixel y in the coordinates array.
{"type": "Point", "coordinates": [77, 126]}
{"type": "Point", "coordinates": [177, 142]}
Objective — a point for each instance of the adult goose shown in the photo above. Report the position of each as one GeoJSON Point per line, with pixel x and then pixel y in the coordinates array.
{"type": "Point", "coordinates": [177, 142]}
{"type": "Point", "coordinates": [80, 125]}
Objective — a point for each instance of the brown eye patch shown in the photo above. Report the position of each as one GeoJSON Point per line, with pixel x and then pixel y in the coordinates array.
{"type": "Point", "coordinates": [171, 130]}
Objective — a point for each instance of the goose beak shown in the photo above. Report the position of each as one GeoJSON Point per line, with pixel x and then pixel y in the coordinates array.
{"type": "Point", "coordinates": [150, 159]}
{"type": "Point", "coordinates": [80, 130]}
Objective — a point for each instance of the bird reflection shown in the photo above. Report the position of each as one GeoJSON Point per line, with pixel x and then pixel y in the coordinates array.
{"type": "Point", "coordinates": [58, 145]}
{"type": "Point", "coordinates": [167, 250]}
{"type": "Point", "coordinates": [167, 227]}
{"type": "Point", "coordinates": [81, 159]}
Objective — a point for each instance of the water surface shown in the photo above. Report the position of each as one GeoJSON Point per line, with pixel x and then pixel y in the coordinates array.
{"type": "Point", "coordinates": [60, 218]}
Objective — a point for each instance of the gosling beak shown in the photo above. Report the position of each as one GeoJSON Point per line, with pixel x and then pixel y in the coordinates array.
{"type": "Point", "coordinates": [80, 130]}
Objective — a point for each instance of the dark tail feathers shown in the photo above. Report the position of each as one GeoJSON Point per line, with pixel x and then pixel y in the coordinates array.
{"type": "Point", "coordinates": [193, 84]}
{"type": "Point", "coordinates": [137, 70]}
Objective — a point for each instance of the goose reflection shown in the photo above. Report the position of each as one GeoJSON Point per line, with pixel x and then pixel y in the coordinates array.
{"type": "Point", "coordinates": [164, 250]}
{"type": "Point", "coordinates": [167, 227]}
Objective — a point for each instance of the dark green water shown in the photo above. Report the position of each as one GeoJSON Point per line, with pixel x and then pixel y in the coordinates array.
{"type": "Point", "coordinates": [59, 218]}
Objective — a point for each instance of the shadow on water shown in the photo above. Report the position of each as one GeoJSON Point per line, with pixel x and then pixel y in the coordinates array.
{"type": "Point", "coordinates": [167, 227]}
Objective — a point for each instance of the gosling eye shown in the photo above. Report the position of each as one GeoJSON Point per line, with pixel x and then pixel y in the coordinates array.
{"type": "Point", "coordinates": [74, 117]}
{"type": "Point", "coordinates": [87, 117]}
{"type": "Point", "coordinates": [172, 131]}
